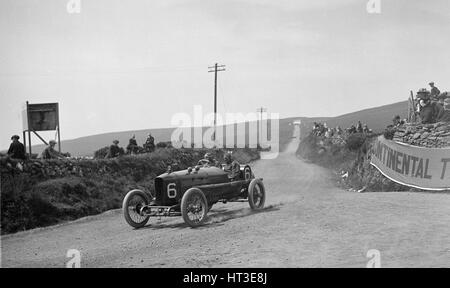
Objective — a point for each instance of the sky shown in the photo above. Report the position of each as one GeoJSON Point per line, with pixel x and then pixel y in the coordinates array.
{"type": "Point", "coordinates": [129, 65]}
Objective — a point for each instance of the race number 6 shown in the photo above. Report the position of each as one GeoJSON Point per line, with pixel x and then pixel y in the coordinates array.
{"type": "Point", "coordinates": [171, 191]}
{"type": "Point", "coordinates": [247, 173]}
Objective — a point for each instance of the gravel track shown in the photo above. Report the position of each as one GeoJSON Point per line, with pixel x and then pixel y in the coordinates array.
{"type": "Point", "coordinates": [308, 222]}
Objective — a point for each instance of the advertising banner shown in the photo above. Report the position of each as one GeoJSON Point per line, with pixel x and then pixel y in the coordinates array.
{"type": "Point", "coordinates": [419, 167]}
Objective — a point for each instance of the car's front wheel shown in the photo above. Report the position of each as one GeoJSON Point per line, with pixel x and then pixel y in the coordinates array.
{"type": "Point", "coordinates": [132, 208]}
{"type": "Point", "coordinates": [194, 207]}
{"type": "Point", "coordinates": [256, 194]}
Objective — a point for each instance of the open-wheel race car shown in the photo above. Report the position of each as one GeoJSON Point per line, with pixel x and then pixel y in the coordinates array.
{"type": "Point", "coordinates": [191, 193]}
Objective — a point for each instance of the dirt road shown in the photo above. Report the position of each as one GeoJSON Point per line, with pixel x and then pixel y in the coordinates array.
{"type": "Point", "coordinates": [308, 223]}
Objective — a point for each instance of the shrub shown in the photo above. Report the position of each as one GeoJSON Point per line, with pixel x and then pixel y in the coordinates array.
{"type": "Point", "coordinates": [355, 141]}
{"type": "Point", "coordinates": [167, 144]}
{"type": "Point", "coordinates": [389, 133]}
{"type": "Point", "coordinates": [101, 153]}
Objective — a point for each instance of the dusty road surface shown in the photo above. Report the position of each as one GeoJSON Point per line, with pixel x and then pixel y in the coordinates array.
{"type": "Point", "coordinates": [308, 223]}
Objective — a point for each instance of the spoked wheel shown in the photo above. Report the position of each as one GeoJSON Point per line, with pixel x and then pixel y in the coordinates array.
{"type": "Point", "coordinates": [132, 206]}
{"type": "Point", "coordinates": [256, 194]}
{"type": "Point", "coordinates": [194, 207]}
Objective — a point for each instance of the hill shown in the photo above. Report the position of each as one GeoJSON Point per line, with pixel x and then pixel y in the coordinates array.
{"type": "Point", "coordinates": [376, 118]}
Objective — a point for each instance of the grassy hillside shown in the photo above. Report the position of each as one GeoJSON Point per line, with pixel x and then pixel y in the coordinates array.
{"type": "Point", "coordinates": [377, 119]}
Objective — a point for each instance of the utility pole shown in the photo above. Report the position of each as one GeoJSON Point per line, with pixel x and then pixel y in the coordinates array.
{"type": "Point", "coordinates": [260, 110]}
{"type": "Point", "coordinates": [216, 68]}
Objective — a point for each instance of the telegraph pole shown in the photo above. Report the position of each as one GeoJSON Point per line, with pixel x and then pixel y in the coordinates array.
{"type": "Point", "coordinates": [216, 68]}
{"type": "Point", "coordinates": [260, 110]}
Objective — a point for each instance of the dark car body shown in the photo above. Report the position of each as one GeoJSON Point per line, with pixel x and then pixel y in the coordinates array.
{"type": "Point", "coordinates": [191, 193]}
{"type": "Point", "coordinates": [213, 181]}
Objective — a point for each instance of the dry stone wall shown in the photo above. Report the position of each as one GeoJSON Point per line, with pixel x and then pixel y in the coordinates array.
{"type": "Point", "coordinates": [435, 135]}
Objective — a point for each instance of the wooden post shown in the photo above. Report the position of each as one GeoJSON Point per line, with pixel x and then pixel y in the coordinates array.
{"type": "Point", "coordinates": [29, 133]}
{"type": "Point", "coordinates": [413, 108]}
{"type": "Point", "coordinates": [216, 68]}
{"type": "Point", "coordinates": [24, 140]}
{"type": "Point", "coordinates": [29, 142]}
{"type": "Point", "coordinates": [57, 127]}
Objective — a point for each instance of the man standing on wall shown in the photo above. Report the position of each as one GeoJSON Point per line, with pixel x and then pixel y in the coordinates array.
{"type": "Point", "coordinates": [434, 92]}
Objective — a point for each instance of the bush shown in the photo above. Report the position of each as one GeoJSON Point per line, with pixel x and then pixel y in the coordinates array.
{"type": "Point", "coordinates": [101, 153]}
{"type": "Point", "coordinates": [389, 133]}
{"type": "Point", "coordinates": [355, 141]}
{"type": "Point", "coordinates": [167, 144]}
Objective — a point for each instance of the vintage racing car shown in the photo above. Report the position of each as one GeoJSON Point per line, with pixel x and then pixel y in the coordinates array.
{"type": "Point", "coordinates": [191, 193]}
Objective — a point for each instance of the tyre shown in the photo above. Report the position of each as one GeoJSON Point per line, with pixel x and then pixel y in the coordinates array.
{"type": "Point", "coordinates": [256, 194]}
{"type": "Point", "coordinates": [131, 206]}
{"type": "Point", "coordinates": [194, 207]}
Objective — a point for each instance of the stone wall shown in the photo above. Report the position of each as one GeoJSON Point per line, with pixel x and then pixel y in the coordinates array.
{"type": "Point", "coordinates": [424, 135]}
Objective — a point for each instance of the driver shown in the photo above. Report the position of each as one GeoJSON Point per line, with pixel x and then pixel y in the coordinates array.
{"type": "Point", "coordinates": [209, 160]}
{"type": "Point", "coordinates": [231, 166]}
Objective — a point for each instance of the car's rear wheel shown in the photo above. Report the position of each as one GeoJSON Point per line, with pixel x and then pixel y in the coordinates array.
{"type": "Point", "coordinates": [256, 194]}
{"type": "Point", "coordinates": [194, 207]}
{"type": "Point", "coordinates": [132, 206]}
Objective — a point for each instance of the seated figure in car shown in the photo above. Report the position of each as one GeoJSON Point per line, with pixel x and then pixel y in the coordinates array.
{"type": "Point", "coordinates": [231, 166]}
{"type": "Point", "coordinates": [209, 161]}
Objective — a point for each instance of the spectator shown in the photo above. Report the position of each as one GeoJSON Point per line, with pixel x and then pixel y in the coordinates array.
{"type": "Point", "coordinates": [428, 111]}
{"type": "Point", "coordinates": [50, 152]}
{"type": "Point", "coordinates": [16, 149]}
{"type": "Point", "coordinates": [359, 127]}
{"type": "Point", "coordinates": [132, 147]}
{"type": "Point", "coordinates": [444, 108]}
{"type": "Point", "coordinates": [366, 129]}
{"type": "Point", "coordinates": [231, 166]}
{"type": "Point", "coordinates": [149, 144]}
{"type": "Point", "coordinates": [421, 94]}
{"type": "Point", "coordinates": [442, 97]}
{"type": "Point", "coordinates": [352, 129]}
{"type": "Point", "coordinates": [209, 161]}
{"type": "Point", "coordinates": [434, 92]}
{"type": "Point", "coordinates": [114, 150]}
{"type": "Point", "coordinates": [398, 121]}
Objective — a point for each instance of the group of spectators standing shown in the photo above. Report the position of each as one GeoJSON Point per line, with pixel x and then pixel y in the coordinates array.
{"type": "Point", "coordinates": [132, 148]}
{"type": "Point", "coordinates": [433, 106]}
{"type": "Point", "coordinates": [321, 129]}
